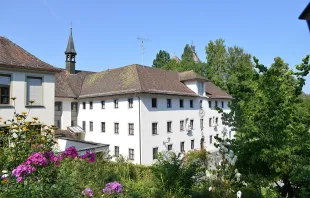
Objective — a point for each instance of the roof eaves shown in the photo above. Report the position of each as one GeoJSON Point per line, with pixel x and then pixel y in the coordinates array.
{"type": "Point", "coordinates": [27, 67]}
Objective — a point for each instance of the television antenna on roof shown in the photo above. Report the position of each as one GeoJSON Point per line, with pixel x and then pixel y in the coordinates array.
{"type": "Point", "coordinates": [143, 40]}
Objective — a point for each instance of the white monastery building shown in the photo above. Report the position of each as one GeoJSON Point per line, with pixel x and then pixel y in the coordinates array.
{"type": "Point", "coordinates": [137, 110]}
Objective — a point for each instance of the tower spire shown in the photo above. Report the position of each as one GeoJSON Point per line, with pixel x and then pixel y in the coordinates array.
{"type": "Point", "coordinates": [70, 54]}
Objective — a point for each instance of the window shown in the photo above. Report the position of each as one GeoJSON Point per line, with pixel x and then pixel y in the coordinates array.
{"type": "Point", "coordinates": [84, 105]}
{"type": "Point", "coordinates": [154, 129]}
{"type": "Point", "coordinates": [168, 103]}
{"type": "Point", "coordinates": [116, 103]}
{"type": "Point", "coordinates": [58, 106]}
{"type": "Point", "coordinates": [73, 122]}
{"type": "Point", "coordinates": [169, 127]}
{"type": "Point", "coordinates": [102, 126]}
{"type": "Point", "coordinates": [229, 134]}
{"type": "Point", "coordinates": [116, 128]}
{"type": "Point", "coordinates": [58, 124]}
{"type": "Point", "coordinates": [222, 104]}
{"type": "Point", "coordinates": [191, 124]}
{"type": "Point", "coordinates": [210, 104]}
{"type": "Point", "coordinates": [216, 120]}
{"type": "Point", "coordinates": [90, 105]}
{"type": "Point", "coordinates": [74, 106]}
{"type": "Point", "coordinates": [116, 151]}
{"type": "Point", "coordinates": [211, 139]}
{"type": "Point", "coordinates": [103, 104]}
{"type": "Point", "coordinates": [131, 154]}
{"type": "Point", "coordinates": [201, 124]}
{"type": "Point", "coordinates": [84, 125]}
{"type": "Point", "coordinates": [192, 144]}
{"type": "Point", "coordinates": [169, 147]}
{"type": "Point", "coordinates": [131, 128]}
{"type": "Point", "coordinates": [182, 125]}
{"type": "Point", "coordinates": [154, 102]}
{"type": "Point", "coordinates": [34, 90]}
{"type": "Point", "coordinates": [181, 103]}
{"type": "Point", "coordinates": [210, 122]}
{"type": "Point", "coordinates": [5, 82]}
{"type": "Point", "coordinates": [155, 153]}
{"type": "Point", "coordinates": [191, 104]}
{"type": "Point", "coordinates": [182, 147]}
{"type": "Point", "coordinates": [130, 102]}
{"type": "Point", "coordinates": [91, 126]}
{"type": "Point", "coordinates": [200, 103]}
{"type": "Point", "coordinates": [216, 104]}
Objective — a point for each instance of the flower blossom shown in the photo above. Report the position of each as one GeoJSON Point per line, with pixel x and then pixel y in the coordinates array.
{"type": "Point", "coordinates": [90, 156]}
{"type": "Point", "coordinates": [113, 188]}
{"type": "Point", "coordinates": [37, 159]}
{"type": "Point", "coordinates": [22, 171]}
{"type": "Point", "coordinates": [88, 192]}
{"type": "Point", "coordinates": [70, 152]}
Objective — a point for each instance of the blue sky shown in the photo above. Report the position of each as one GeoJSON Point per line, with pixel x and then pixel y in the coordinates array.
{"type": "Point", "coordinates": [105, 31]}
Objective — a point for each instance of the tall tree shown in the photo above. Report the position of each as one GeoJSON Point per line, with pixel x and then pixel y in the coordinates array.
{"type": "Point", "coordinates": [217, 63]}
{"type": "Point", "coordinates": [187, 54]}
{"type": "Point", "coordinates": [272, 134]}
{"type": "Point", "coordinates": [162, 58]}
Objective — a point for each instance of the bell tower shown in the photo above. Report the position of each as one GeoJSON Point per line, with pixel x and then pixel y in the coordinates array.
{"type": "Point", "coordinates": [70, 55]}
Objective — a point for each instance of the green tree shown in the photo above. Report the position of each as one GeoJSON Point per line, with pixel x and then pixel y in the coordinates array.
{"type": "Point", "coordinates": [187, 54]}
{"type": "Point", "coordinates": [272, 134]}
{"type": "Point", "coordinates": [216, 67]}
{"type": "Point", "coordinates": [162, 58]}
{"type": "Point", "coordinates": [173, 65]}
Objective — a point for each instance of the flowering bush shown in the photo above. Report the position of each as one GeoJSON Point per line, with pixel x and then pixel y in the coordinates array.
{"type": "Point", "coordinates": [113, 188]}
{"type": "Point", "coordinates": [40, 160]}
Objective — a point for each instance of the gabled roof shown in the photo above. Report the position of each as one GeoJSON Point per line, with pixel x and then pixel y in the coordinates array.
{"type": "Point", "coordinates": [13, 56]}
{"type": "Point", "coordinates": [69, 85]}
{"type": "Point", "coordinates": [130, 79]}
{"type": "Point", "coordinates": [133, 79]}
{"type": "Point", "coordinates": [213, 91]}
{"type": "Point", "coordinates": [190, 75]}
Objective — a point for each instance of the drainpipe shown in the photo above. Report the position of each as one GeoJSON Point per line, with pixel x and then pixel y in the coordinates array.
{"type": "Point", "coordinates": [140, 130]}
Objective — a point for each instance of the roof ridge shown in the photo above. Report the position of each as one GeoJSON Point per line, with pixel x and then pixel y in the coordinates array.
{"type": "Point", "coordinates": [138, 75]}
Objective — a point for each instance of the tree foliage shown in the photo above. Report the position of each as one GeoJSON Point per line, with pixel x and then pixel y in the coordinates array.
{"type": "Point", "coordinates": [272, 133]}
{"type": "Point", "coordinates": [162, 58]}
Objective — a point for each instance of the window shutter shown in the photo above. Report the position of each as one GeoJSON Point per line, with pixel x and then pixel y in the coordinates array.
{"type": "Point", "coordinates": [34, 90]}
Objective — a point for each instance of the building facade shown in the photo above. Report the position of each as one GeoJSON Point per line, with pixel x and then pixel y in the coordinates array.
{"type": "Point", "coordinates": [25, 78]}
{"type": "Point", "coordinates": [136, 111]}
{"type": "Point", "coordinates": [139, 111]}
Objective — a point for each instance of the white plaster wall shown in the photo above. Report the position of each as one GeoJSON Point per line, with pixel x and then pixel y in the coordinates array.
{"type": "Point", "coordinates": [123, 115]}
{"type": "Point", "coordinates": [18, 90]}
{"type": "Point", "coordinates": [212, 113]}
{"type": "Point", "coordinates": [193, 85]}
{"type": "Point", "coordinates": [66, 111]}
{"type": "Point", "coordinates": [162, 115]}
{"type": "Point", "coordinates": [196, 86]}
